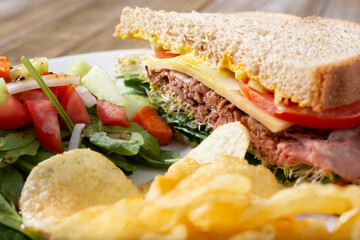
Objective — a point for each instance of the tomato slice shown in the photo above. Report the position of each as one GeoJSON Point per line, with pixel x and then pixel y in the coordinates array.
{"type": "Point", "coordinates": [59, 91]}
{"type": "Point", "coordinates": [112, 114]}
{"type": "Point", "coordinates": [336, 118]}
{"type": "Point", "coordinates": [162, 53]}
{"type": "Point", "coordinates": [38, 94]}
{"type": "Point", "coordinates": [34, 94]}
{"type": "Point", "coordinates": [46, 124]}
{"type": "Point", "coordinates": [74, 106]}
{"type": "Point", "coordinates": [13, 114]}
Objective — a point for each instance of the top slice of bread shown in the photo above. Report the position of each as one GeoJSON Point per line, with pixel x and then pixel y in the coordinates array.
{"type": "Point", "coordinates": [312, 61]}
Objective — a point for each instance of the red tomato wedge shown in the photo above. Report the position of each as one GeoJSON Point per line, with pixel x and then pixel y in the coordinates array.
{"type": "Point", "coordinates": [112, 114]}
{"type": "Point", "coordinates": [162, 53]}
{"type": "Point", "coordinates": [336, 118]}
{"type": "Point", "coordinates": [34, 94]}
{"type": "Point", "coordinates": [149, 120]}
{"type": "Point", "coordinates": [46, 124]}
{"type": "Point", "coordinates": [74, 106]}
{"type": "Point", "coordinates": [59, 91]}
{"type": "Point", "coordinates": [38, 94]}
{"type": "Point", "coordinates": [13, 114]}
{"type": "Point", "coordinates": [5, 68]}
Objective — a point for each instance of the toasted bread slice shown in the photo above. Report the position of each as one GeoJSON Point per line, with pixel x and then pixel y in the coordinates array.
{"type": "Point", "coordinates": [312, 61]}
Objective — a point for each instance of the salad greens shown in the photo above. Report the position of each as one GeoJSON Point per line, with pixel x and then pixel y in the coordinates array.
{"type": "Point", "coordinates": [48, 93]}
{"type": "Point", "coordinates": [20, 151]}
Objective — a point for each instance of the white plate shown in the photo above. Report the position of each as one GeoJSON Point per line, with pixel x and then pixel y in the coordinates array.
{"type": "Point", "coordinates": [143, 174]}
{"type": "Point", "coordinates": [108, 61]}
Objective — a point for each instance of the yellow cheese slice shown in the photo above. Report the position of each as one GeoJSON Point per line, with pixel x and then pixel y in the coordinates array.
{"type": "Point", "coordinates": [223, 84]}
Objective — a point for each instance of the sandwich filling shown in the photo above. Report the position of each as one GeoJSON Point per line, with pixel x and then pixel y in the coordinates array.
{"type": "Point", "coordinates": [329, 151]}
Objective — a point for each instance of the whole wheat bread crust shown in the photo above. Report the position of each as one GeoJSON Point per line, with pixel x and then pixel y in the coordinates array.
{"type": "Point", "coordinates": [313, 61]}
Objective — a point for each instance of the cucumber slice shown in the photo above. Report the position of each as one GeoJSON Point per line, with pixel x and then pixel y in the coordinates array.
{"type": "Point", "coordinates": [136, 102]}
{"type": "Point", "coordinates": [99, 83]}
{"type": "Point", "coordinates": [79, 68]}
{"type": "Point", "coordinates": [40, 63]}
{"type": "Point", "coordinates": [4, 95]}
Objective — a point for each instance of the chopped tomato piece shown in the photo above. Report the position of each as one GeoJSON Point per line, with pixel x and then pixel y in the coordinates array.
{"type": "Point", "coordinates": [162, 53]}
{"type": "Point", "coordinates": [74, 106]}
{"type": "Point", "coordinates": [149, 120]}
{"type": "Point", "coordinates": [59, 91]}
{"type": "Point", "coordinates": [13, 114]}
{"type": "Point", "coordinates": [35, 94]}
{"type": "Point", "coordinates": [46, 124]}
{"type": "Point", "coordinates": [336, 118]}
{"type": "Point", "coordinates": [5, 68]}
{"type": "Point", "coordinates": [112, 114]}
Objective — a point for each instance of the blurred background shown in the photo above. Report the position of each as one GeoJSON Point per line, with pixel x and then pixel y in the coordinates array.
{"type": "Point", "coordinates": [55, 28]}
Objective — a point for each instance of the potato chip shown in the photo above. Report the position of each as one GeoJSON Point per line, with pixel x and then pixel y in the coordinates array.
{"type": "Point", "coordinates": [167, 211]}
{"type": "Point", "coordinates": [144, 187]}
{"type": "Point", "coordinates": [230, 139]}
{"type": "Point", "coordinates": [264, 183]}
{"type": "Point", "coordinates": [290, 228]}
{"type": "Point", "coordinates": [216, 216]}
{"type": "Point", "coordinates": [348, 226]}
{"type": "Point", "coordinates": [116, 221]}
{"type": "Point", "coordinates": [177, 172]}
{"type": "Point", "coordinates": [304, 198]}
{"type": "Point", "coordinates": [264, 232]}
{"type": "Point", "coordinates": [179, 232]}
{"type": "Point", "coordinates": [69, 182]}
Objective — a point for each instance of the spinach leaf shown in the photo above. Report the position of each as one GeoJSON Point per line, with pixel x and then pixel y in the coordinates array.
{"type": "Point", "coordinates": [192, 132]}
{"type": "Point", "coordinates": [41, 155]}
{"type": "Point", "coordinates": [7, 233]}
{"type": "Point", "coordinates": [8, 215]}
{"type": "Point", "coordinates": [150, 144]}
{"type": "Point", "coordinates": [138, 85]}
{"type": "Point", "coordinates": [9, 157]}
{"type": "Point", "coordinates": [16, 143]}
{"type": "Point", "coordinates": [11, 184]}
{"type": "Point", "coordinates": [122, 163]}
{"type": "Point", "coordinates": [123, 143]}
{"type": "Point", "coordinates": [10, 218]}
{"type": "Point", "coordinates": [17, 139]}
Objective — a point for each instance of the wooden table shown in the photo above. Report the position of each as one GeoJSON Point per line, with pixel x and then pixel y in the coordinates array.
{"type": "Point", "coordinates": [55, 28]}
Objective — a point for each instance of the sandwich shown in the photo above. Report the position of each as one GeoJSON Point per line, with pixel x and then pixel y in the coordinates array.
{"type": "Point", "coordinates": [293, 82]}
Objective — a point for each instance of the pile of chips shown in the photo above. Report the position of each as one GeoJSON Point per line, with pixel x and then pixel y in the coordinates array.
{"type": "Point", "coordinates": [213, 193]}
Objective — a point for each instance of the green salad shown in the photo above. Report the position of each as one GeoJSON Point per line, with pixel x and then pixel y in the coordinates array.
{"type": "Point", "coordinates": [38, 123]}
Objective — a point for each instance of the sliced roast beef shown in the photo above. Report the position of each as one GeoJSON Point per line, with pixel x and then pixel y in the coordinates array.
{"type": "Point", "coordinates": [335, 151]}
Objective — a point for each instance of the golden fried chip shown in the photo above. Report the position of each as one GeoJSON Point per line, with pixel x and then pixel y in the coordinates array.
{"type": "Point", "coordinates": [216, 216]}
{"type": "Point", "coordinates": [264, 232]}
{"type": "Point", "coordinates": [264, 183]}
{"type": "Point", "coordinates": [230, 139]}
{"type": "Point", "coordinates": [177, 172]}
{"type": "Point", "coordinates": [179, 232]}
{"type": "Point", "coordinates": [305, 198]}
{"type": "Point", "coordinates": [144, 187]}
{"type": "Point", "coordinates": [291, 228]}
{"type": "Point", "coordinates": [116, 221]}
{"type": "Point", "coordinates": [69, 182]}
{"type": "Point", "coordinates": [348, 226]}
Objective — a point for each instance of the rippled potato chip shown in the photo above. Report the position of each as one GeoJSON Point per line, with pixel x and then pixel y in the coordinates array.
{"type": "Point", "coordinates": [305, 198]}
{"type": "Point", "coordinates": [348, 226]}
{"type": "Point", "coordinates": [116, 221]}
{"type": "Point", "coordinates": [209, 195]}
{"type": "Point", "coordinates": [69, 182]}
{"type": "Point", "coordinates": [176, 173]}
{"type": "Point", "coordinates": [264, 232]}
{"type": "Point", "coordinates": [289, 227]}
{"type": "Point", "coordinates": [230, 139]}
